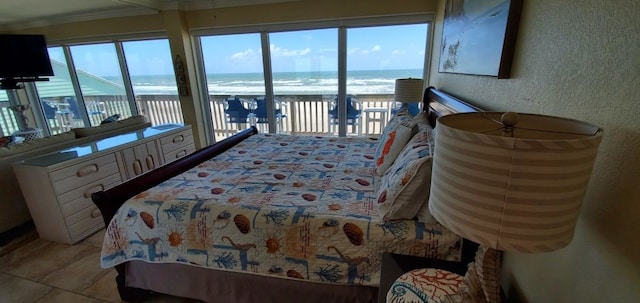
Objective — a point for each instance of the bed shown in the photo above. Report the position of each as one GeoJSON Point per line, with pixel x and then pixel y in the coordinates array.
{"type": "Point", "coordinates": [266, 217]}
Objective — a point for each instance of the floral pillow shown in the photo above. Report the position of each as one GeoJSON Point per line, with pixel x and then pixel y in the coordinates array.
{"type": "Point", "coordinates": [394, 137]}
{"type": "Point", "coordinates": [404, 188]}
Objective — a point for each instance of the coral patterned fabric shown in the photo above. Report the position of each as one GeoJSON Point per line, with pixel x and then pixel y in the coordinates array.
{"type": "Point", "coordinates": [276, 205]}
{"type": "Point", "coordinates": [424, 285]}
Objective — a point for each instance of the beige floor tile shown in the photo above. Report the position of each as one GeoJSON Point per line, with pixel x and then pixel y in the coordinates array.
{"type": "Point", "coordinates": [77, 276]}
{"type": "Point", "coordinates": [18, 290]}
{"type": "Point", "coordinates": [4, 278]}
{"type": "Point", "coordinates": [47, 260]}
{"type": "Point", "coordinates": [95, 239]}
{"type": "Point", "coordinates": [62, 296]}
{"type": "Point", "coordinates": [24, 251]}
{"type": "Point", "coordinates": [105, 288]}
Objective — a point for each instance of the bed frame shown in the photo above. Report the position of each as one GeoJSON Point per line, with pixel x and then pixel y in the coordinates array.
{"type": "Point", "coordinates": [437, 102]}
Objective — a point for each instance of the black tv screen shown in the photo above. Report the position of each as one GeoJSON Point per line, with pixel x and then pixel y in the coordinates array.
{"type": "Point", "coordinates": [24, 57]}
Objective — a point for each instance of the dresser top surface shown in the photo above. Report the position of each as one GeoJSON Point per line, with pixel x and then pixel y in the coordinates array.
{"type": "Point", "coordinates": [99, 146]}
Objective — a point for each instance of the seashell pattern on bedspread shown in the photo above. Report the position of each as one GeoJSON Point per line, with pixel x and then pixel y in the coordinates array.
{"type": "Point", "coordinates": [295, 207]}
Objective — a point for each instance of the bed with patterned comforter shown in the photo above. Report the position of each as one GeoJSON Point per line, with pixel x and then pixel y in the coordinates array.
{"type": "Point", "coordinates": [295, 207]}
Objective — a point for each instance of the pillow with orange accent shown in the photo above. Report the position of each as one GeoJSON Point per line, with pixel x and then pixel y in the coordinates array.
{"type": "Point", "coordinates": [404, 188]}
{"type": "Point", "coordinates": [394, 137]}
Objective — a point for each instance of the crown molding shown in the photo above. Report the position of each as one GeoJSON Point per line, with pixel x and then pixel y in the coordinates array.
{"type": "Point", "coordinates": [137, 7]}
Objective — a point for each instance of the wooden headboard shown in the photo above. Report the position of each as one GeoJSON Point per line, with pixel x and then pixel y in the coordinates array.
{"type": "Point", "coordinates": [439, 103]}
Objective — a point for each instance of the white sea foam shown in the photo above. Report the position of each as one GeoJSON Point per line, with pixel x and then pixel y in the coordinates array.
{"type": "Point", "coordinates": [360, 82]}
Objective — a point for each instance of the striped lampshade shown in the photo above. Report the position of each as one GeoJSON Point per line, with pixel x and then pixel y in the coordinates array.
{"type": "Point", "coordinates": [514, 188]}
{"type": "Point", "coordinates": [408, 90]}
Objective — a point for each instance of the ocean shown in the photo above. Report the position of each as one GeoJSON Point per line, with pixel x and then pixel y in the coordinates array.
{"type": "Point", "coordinates": [285, 83]}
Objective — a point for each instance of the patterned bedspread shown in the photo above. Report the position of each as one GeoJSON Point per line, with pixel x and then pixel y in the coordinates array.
{"type": "Point", "coordinates": [290, 206]}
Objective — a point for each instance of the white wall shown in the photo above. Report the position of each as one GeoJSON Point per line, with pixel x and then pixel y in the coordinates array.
{"type": "Point", "coordinates": [578, 59]}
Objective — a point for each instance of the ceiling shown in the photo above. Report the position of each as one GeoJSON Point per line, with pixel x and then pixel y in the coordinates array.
{"type": "Point", "coordinates": [20, 14]}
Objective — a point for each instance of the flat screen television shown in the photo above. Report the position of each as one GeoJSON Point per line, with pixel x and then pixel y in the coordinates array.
{"type": "Point", "coordinates": [23, 58]}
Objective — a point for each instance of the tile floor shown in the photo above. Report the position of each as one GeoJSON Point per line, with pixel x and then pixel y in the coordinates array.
{"type": "Point", "coordinates": [42, 271]}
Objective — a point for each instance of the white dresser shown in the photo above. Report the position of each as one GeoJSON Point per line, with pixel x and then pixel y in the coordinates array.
{"type": "Point", "coordinates": [58, 186]}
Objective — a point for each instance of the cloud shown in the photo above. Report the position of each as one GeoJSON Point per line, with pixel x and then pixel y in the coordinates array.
{"type": "Point", "coordinates": [398, 52]}
{"type": "Point", "coordinates": [243, 55]}
{"type": "Point", "coordinates": [277, 51]}
{"type": "Point", "coordinates": [357, 50]}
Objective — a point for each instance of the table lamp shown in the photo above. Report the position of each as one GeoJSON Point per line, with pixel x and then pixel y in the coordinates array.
{"type": "Point", "coordinates": [510, 182]}
{"type": "Point", "coordinates": [409, 90]}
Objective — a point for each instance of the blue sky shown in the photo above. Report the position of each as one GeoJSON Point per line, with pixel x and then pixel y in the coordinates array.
{"type": "Point", "coordinates": [374, 48]}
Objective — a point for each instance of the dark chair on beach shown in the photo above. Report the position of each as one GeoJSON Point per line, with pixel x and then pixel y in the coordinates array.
{"type": "Point", "coordinates": [354, 114]}
{"type": "Point", "coordinates": [260, 112]}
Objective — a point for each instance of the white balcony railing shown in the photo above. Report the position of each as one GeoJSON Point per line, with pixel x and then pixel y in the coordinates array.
{"type": "Point", "coordinates": [304, 114]}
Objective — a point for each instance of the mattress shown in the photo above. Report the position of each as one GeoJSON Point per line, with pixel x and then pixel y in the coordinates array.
{"type": "Point", "coordinates": [293, 207]}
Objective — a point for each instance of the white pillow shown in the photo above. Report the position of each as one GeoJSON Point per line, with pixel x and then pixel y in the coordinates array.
{"type": "Point", "coordinates": [404, 188]}
{"type": "Point", "coordinates": [394, 137]}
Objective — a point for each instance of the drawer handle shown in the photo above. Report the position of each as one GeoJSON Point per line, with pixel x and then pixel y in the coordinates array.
{"type": "Point", "coordinates": [95, 213]}
{"type": "Point", "coordinates": [137, 167]}
{"type": "Point", "coordinates": [181, 154]}
{"type": "Point", "coordinates": [87, 170]}
{"type": "Point", "coordinates": [87, 194]}
{"type": "Point", "coordinates": [150, 163]}
{"type": "Point", "coordinates": [178, 139]}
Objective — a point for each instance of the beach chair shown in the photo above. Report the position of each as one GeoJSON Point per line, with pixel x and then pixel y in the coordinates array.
{"type": "Point", "coordinates": [354, 114]}
{"type": "Point", "coordinates": [236, 111]}
{"type": "Point", "coordinates": [260, 112]}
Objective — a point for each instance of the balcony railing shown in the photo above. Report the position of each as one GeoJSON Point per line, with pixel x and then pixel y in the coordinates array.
{"type": "Point", "coordinates": [303, 114]}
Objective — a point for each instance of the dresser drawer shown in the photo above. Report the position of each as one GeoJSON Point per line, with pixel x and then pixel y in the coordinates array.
{"type": "Point", "coordinates": [88, 219]}
{"type": "Point", "coordinates": [173, 142]}
{"type": "Point", "coordinates": [79, 199]}
{"type": "Point", "coordinates": [74, 176]}
{"type": "Point", "coordinates": [179, 153]}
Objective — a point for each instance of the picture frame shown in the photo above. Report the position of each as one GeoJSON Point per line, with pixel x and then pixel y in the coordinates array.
{"type": "Point", "coordinates": [478, 37]}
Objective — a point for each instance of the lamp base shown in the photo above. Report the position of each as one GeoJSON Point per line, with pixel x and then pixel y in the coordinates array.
{"type": "Point", "coordinates": [482, 281]}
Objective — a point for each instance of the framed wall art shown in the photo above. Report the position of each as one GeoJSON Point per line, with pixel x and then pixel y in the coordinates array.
{"type": "Point", "coordinates": [478, 37]}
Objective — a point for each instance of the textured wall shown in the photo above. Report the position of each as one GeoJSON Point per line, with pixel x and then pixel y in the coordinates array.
{"type": "Point", "coordinates": [578, 59]}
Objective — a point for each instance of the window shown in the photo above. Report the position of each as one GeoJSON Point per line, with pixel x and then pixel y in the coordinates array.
{"type": "Point", "coordinates": [58, 97]}
{"type": "Point", "coordinates": [398, 51]}
{"type": "Point", "coordinates": [234, 78]}
{"type": "Point", "coordinates": [91, 83]}
{"type": "Point", "coordinates": [308, 68]}
{"type": "Point", "coordinates": [154, 84]}
{"type": "Point", "coordinates": [100, 78]}
{"type": "Point", "coordinates": [305, 75]}
{"type": "Point", "coordinates": [8, 123]}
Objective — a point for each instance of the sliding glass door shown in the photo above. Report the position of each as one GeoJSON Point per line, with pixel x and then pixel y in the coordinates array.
{"type": "Point", "coordinates": [323, 78]}
{"type": "Point", "coordinates": [305, 78]}
{"type": "Point", "coordinates": [234, 82]}
{"type": "Point", "coordinates": [376, 56]}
